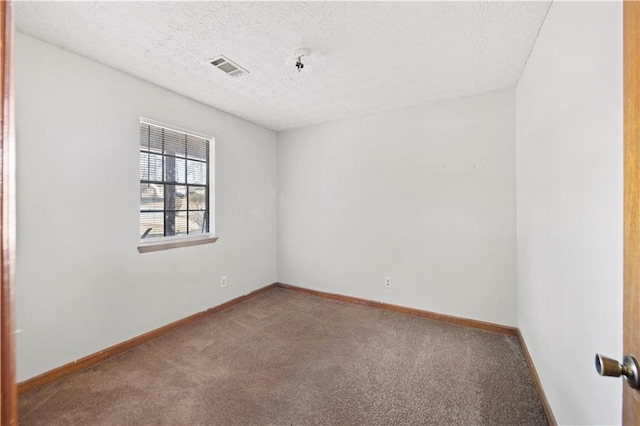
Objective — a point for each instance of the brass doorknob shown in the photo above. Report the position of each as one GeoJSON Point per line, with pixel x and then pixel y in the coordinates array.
{"type": "Point", "coordinates": [629, 369]}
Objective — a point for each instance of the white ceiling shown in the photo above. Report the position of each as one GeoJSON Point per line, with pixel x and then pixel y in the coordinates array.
{"type": "Point", "coordinates": [366, 57]}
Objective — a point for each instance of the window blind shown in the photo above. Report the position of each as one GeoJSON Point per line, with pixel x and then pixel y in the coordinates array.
{"type": "Point", "coordinates": [174, 182]}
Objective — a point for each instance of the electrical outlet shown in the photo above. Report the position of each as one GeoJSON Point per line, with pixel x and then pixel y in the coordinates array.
{"type": "Point", "coordinates": [223, 281]}
{"type": "Point", "coordinates": [387, 282]}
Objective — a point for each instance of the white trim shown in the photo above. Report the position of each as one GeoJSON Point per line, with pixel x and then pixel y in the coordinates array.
{"type": "Point", "coordinates": [175, 128]}
{"type": "Point", "coordinates": [165, 243]}
{"type": "Point", "coordinates": [162, 243]}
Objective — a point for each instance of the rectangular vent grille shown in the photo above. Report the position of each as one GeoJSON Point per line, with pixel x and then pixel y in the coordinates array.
{"type": "Point", "coordinates": [228, 66]}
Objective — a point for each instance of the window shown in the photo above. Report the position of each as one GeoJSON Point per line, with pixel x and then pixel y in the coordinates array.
{"type": "Point", "coordinates": [175, 187]}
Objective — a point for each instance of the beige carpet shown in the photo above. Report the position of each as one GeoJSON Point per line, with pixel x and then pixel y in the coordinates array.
{"type": "Point", "coordinates": [286, 358]}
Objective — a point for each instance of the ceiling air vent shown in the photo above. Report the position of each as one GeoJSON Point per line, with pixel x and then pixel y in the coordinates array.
{"type": "Point", "coordinates": [228, 66]}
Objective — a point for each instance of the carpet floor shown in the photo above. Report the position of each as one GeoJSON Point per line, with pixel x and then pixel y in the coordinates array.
{"type": "Point", "coordinates": [286, 358]}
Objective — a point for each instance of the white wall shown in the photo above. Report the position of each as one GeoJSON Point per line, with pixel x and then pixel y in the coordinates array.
{"type": "Point", "coordinates": [569, 180]}
{"type": "Point", "coordinates": [81, 284]}
{"type": "Point", "coordinates": [423, 195]}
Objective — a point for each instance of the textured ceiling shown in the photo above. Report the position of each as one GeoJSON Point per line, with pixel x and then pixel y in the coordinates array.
{"type": "Point", "coordinates": [365, 57]}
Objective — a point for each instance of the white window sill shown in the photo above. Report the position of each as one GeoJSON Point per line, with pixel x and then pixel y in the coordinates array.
{"type": "Point", "coordinates": [176, 242]}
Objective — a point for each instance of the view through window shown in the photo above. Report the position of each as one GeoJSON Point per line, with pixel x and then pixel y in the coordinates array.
{"type": "Point", "coordinates": [174, 182]}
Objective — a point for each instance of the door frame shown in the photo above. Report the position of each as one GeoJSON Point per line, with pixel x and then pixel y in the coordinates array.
{"type": "Point", "coordinates": [9, 398]}
{"type": "Point", "coordinates": [631, 89]}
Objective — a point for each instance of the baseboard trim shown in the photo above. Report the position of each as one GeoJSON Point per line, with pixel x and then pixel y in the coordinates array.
{"type": "Point", "coordinates": [487, 326]}
{"type": "Point", "coordinates": [551, 419]}
{"type": "Point", "coordinates": [117, 349]}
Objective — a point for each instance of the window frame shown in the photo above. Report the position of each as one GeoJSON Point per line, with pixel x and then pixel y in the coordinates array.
{"type": "Point", "coordinates": [177, 241]}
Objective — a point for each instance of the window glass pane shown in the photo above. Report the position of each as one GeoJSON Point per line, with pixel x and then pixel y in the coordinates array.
{"type": "Point", "coordinates": [196, 222]}
{"type": "Point", "coordinates": [175, 197]}
{"type": "Point", "coordinates": [181, 171]}
{"type": "Point", "coordinates": [144, 165]}
{"type": "Point", "coordinates": [151, 197]}
{"type": "Point", "coordinates": [197, 198]}
{"type": "Point", "coordinates": [196, 172]}
{"type": "Point", "coordinates": [155, 167]}
{"type": "Point", "coordinates": [181, 223]}
{"type": "Point", "coordinates": [175, 169]}
{"type": "Point", "coordinates": [150, 167]}
{"type": "Point", "coordinates": [151, 225]}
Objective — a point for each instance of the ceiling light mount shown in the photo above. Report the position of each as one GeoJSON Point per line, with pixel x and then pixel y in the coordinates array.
{"type": "Point", "coordinates": [298, 57]}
